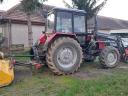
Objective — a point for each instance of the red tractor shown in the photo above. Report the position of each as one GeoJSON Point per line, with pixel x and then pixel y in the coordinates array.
{"type": "Point", "coordinates": [67, 41]}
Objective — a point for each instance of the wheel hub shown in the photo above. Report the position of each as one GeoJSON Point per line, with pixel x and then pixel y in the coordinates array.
{"type": "Point", "coordinates": [112, 58]}
{"type": "Point", "coordinates": [66, 57]}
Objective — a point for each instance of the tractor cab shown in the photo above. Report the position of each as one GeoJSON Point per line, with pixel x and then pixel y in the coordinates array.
{"type": "Point", "coordinates": [68, 21]}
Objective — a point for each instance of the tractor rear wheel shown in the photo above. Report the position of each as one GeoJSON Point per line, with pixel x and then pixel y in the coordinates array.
{"type": "Point", "coordinates": [64, 56]}
{"type": "Point", "coordinates": [109, 57]}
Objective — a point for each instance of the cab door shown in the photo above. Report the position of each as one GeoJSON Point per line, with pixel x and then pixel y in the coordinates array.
{"type": "Point", "coordinates": [79, 27]}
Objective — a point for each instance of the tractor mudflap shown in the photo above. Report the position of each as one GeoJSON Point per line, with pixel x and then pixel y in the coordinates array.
{"type": "Point", "coordinates": [6, 73]}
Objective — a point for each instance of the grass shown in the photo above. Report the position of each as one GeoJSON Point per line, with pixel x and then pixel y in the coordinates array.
{"type": "Point", "coordinates": [21, 54]}
{"type": "Point", "coordinates": [44, 83]}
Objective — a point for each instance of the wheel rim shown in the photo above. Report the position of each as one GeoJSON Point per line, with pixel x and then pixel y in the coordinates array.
{"type": "Point", "coordinates": [66, 57]}
{"type": "Point", "coordinates": [112, 58]}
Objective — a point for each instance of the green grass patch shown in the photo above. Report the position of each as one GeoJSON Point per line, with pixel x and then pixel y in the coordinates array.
{"type": "Point", "coordinates": [21, 54]}
{"type": "Point", "coordinates": [46, 84]}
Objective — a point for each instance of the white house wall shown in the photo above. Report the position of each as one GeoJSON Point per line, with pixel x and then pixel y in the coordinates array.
{"type": "Point", "coordinates": [37, 31]}
{"type": "Point", "coordinates": [19, 33]}
{"type": "Point", "coordinates": [119, 31]}
{"type": "Point", "coordinates": [114, 31]}
{"type": "Point", "coordinates": [104, 31]}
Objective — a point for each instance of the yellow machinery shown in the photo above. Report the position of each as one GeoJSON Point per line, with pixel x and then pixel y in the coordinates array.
{"type": "Point", "coordinates": [6, 71]}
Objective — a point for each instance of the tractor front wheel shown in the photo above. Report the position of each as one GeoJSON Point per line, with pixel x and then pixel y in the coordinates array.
{"type": "Point", "coordinates": [109, 57]}
{"type": "Point", "coordinates": [64, 56]}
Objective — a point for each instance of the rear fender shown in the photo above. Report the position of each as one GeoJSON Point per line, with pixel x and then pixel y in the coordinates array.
{"type": "Point", "coordinates": [52, 37]}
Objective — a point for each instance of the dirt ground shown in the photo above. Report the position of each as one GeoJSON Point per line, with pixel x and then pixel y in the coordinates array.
{"type": "Point", "coordinates": [86, 71]}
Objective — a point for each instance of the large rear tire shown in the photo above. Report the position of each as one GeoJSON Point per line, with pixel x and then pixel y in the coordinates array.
{"type": "Point", "coordinates": [64, 56]}
{"type": "Point", "coordinates": [109, 57]}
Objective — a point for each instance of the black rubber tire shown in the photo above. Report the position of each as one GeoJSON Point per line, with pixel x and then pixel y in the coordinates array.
{"type": "Point", "coordinates": [103, 57]}
{"type": "Point", "coordinates": [51, 57]}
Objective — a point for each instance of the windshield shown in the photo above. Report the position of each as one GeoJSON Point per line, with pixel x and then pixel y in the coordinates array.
{"type": "Point", "coordinates": [50, 23]}
{"type": "Point", "coordinates": [64, 22]}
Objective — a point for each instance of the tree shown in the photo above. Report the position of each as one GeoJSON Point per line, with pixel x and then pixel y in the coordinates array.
{"type": "Point", "coordinates": [1, 1]}
{"type": "Point", "coordinates": [29, 7]}
{"type": "Point", "coordinates": [90, 6]}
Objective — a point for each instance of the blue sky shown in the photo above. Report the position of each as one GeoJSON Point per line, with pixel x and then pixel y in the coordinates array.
{"type": "Point", "coordinates": [113, 8]}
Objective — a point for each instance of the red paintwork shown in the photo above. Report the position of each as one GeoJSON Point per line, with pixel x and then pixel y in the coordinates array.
{"type": "Point", "coordinates": [126, 50]}
{"type": "Point", "coordinates": [49, 36]}
{"type": "Point", "coordinates": [88, 38]}
{"type": "Point", "coordinates": [38, 66]}
{"type": "Point", "coordinates": [42, 39]}
{"type": "Point", "coordinates": [101, 44]}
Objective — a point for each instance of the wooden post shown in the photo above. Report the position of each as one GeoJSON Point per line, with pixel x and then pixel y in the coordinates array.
{"type": "Point", "coordinates": [30, 33]}
{"type": "Point", "coordinates": [10, 36]}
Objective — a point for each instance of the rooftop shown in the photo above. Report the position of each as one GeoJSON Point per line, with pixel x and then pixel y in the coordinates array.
{"type": "Point", "coordinates": [111, 23]}
{"type": "Point", "coordinates": [70, 10]}
{"type": "Point", "coordinates": [16, 14]}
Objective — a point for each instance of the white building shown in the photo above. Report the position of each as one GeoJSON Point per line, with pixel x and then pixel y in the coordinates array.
{"type": "Point", "coordinates": [13, 25]}
{"type": "Point", "coordinates": [107, 24]}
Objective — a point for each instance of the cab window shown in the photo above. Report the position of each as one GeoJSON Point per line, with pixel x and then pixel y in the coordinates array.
{"type": "Point", "coordinates": [50, 22]}
{"type": "Point", "coordinates": [64, 22]}
{"type": "Point", "coordinates": [79, 23]}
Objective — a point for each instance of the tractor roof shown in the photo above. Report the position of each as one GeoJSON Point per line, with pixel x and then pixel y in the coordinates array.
{"type": "Point", "coordinates": [70, 10]}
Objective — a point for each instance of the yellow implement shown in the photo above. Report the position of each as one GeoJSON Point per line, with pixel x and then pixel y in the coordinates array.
{"type": "Point", "coordinates": [6, 73]}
